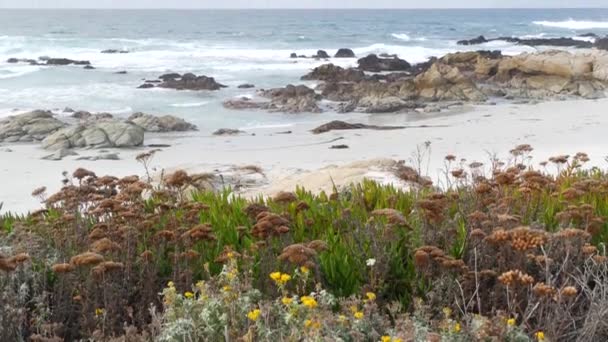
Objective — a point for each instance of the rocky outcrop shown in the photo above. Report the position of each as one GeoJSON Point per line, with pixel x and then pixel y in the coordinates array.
{"type": "Point", "coordinates": [321, 54]}
{"type": "Point", "coordinates": [474, 41]}
{"type": "Point", "coordinates": [65, 61]}
{"type": "Point", "coordinates": [48, 61]}
{"type": "Point", "coordinates": [290, 99]}
{"type": "Point", "coordinates": [187, 81]}
{"type": "Point", "coordinates": [601, 44]}
{"type": "Point", "coordinates": [334, 73]}
{"type": "Point", "coordinates": [345, 53]}
{"type": "Point", "coordinates": [28, 127]}
{"type": "Point", "coordinates": [443, 82]}
{"type": "Point", "coordinates": [341, 125]}
{"type": "Point", "coordinates": [246, 86]}
{"type": "Point", "coordinates": [112, 51]}
{"type": "Point", "coordinates": [165, 123]}
{"type": "Point", "coordinates": [557, 42]}
{"type": "Point", "coordinates": [374, 63]}
{"type": "Point", "coordinates": [228, 131]}
{"type": "Point", "coordinates": [110, 133]}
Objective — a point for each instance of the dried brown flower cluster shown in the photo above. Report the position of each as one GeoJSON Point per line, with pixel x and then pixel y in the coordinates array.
{"type": "Point", "coordinates": [520, 238]}
{"type": "Point", "coordinates": [515, 277]}
{"type": "Point", "coordinates": [269, 224]}
{"type": "Point", "coordinates": [303, 254]}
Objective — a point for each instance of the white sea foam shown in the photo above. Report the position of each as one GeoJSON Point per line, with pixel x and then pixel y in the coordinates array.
{"type": "Point", "coordinates": [573, 24]}
{"type": "Point", "coordinates": [405, 37]}
{"type": "Point", "coordinates": [189, 104]}
{"type": "Point", "coordinates": [402, 36]}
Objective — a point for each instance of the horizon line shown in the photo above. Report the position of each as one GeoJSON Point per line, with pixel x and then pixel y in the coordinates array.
{"type": "Point", "coordinates": [294, 8]}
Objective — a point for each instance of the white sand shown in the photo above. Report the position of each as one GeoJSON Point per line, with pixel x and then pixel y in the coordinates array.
{"type": "Point", "coordinates": [551, 128]}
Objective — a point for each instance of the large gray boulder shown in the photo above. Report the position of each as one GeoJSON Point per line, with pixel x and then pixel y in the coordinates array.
{"type": "Point", "coordinates": [166, 123]}
{"type": "Point", "coordinates": [99, 134]}
{"type": "Point", "coordinates": [27, 127]}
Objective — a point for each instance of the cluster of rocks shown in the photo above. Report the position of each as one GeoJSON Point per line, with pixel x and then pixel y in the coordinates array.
{"type": "Point", "coordinates": [599, 43]}
{"type": "Point", "coordinates": [186, 81]}
{"type": "Point", "coordinates": [50, 61]}
{"type": "Point", "coordinates": [289, 99]}
{"type": "Point", "coordinates": [474, 76]}
{"type": "Point", "coordinates": [322, 54]}
{"type": "Point", "coordinates": [85, 130]}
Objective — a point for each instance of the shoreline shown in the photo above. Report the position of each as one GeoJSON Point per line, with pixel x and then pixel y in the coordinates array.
{"type": "Point", "coordinates": [299, 158]}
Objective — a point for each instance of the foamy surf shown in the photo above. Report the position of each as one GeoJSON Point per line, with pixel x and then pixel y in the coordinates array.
{"type": "Point", "coordinates": [189, 104]}
{"type": "Point", "coordinates": [574, 24]}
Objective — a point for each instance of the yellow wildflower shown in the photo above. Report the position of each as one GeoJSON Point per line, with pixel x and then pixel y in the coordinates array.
{"type": "Point", "coordinates": [386, 339]}
{"type": "Point", "coordinates": [276, 276]}
{"type": "Point", "coordinates": [358, 315]}
{"type": "Point", "coordinates": [304, 269]}
{"type": "Point", "coordinates": [342, 319]}
{"type": "Point", "coordinates": [511, 322]}
{"type": "Point", "coordinates": [447, 312]}
{"type": "Point", "coordinates": [188, 294]}
{"type": "Point", "coordinates": [286, 300]}
{"type": "Point", "coordinates": [371, 296]}
{"type": "Point", "coordinates": [230, 255]}
{"type": "Point", "coordinates": [540, 336]}
{"type": "Point", "coordinates": [397, 340]}
{"type": "Point", "coordinates": [285, 278]}
{"type": "Point", "coordinates": [99, 311]}
{"type": "Point", "coordinates": [226, 288]}
{"type": "Point", "coordinates": [254, 314]}
{"type": "Point", "coordinates": [307, 323]}
{"type": "Point", "coordinates": [457, 328]}
{"type": "Point", "coordinates": [354, 308]}
{"type": "Point", "coordinates": [309, 302]}
{"type": "Point", "coordinates": [171, 284]}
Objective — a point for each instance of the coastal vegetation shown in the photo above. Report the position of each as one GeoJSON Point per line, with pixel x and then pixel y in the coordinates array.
{"type": "Point", "coordinates": [507, 251]}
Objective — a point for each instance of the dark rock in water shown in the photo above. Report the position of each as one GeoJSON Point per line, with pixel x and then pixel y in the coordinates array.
{"type": "Point", "coordinates": [301, 56]}
{"type": "Point", "coordinates": [89, 67]}
{"type": "Point", "coordinates": [228, 131]}
{"type": "Point", "coordinates": [123, 72]}
{"type": "Point", "coordinates": [341, 125]}
{"type": "Point", "coordinates": [387, 55]}
{"type": "Point", "coordinates": [190, 81]}
{"type": "Point", "coordinates": [246, 86]}
{"type": "Point", "coordinates": [22, 60]}
{"type": "Point", "coordinates": [285, 132]}
{"type": "Point", "coordinates": [588, 35]}
{"type": "Point", "coordinates": [87, 116]}
{"type": "Point", "coordinates": [68, 110]}
{"type": "Point", "coordinates": [375, 64]}
{"type": "Point", "coordinates": [146, 86]}
{"type": "Point", "coordinates": [170, 76]}
{"type": "Point", "coordinates": [330, 72]}
{"type": "Point", "coordinates": [339, 147]}
{"type": "Point", "coordinates": [601, 43]}
{"type": "Point", "coordinates": [344, 53]}
{"type": "Point", "coordinates": [44, 58]}
{"type": "Point", "coordinates": [153, 81]}
{"type": "Point", "coordinates": [293, 55]}
{"type": "Point", "coordinates": [65, 61]}
{"type": "Point", "coordinates": [158, 145]}
{"type": "Point", "coordinates": [474, 41]}
{"type": "Point", "coordinates": [114, 51]}
{"type": "Point", "coordinates": [560, 42]}
{"type": "Point", "coordinates": [322, 54]}
{"type": "Point", "coordinates": [292, 99]}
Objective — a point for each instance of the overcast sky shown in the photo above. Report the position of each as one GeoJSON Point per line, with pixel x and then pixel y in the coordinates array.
{"type": "Point", "coordinates": [298, 3]}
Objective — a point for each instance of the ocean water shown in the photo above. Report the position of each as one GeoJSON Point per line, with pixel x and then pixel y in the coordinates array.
{"type": "Point", "coordinates": [234, 46]}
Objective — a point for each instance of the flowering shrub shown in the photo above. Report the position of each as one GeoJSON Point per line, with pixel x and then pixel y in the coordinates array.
{"type": "Point", "coordinates": [511, 252]}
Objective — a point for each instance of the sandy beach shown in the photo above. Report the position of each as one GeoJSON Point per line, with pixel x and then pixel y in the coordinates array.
{"type": "Point", "coordinates": [303, 158]}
